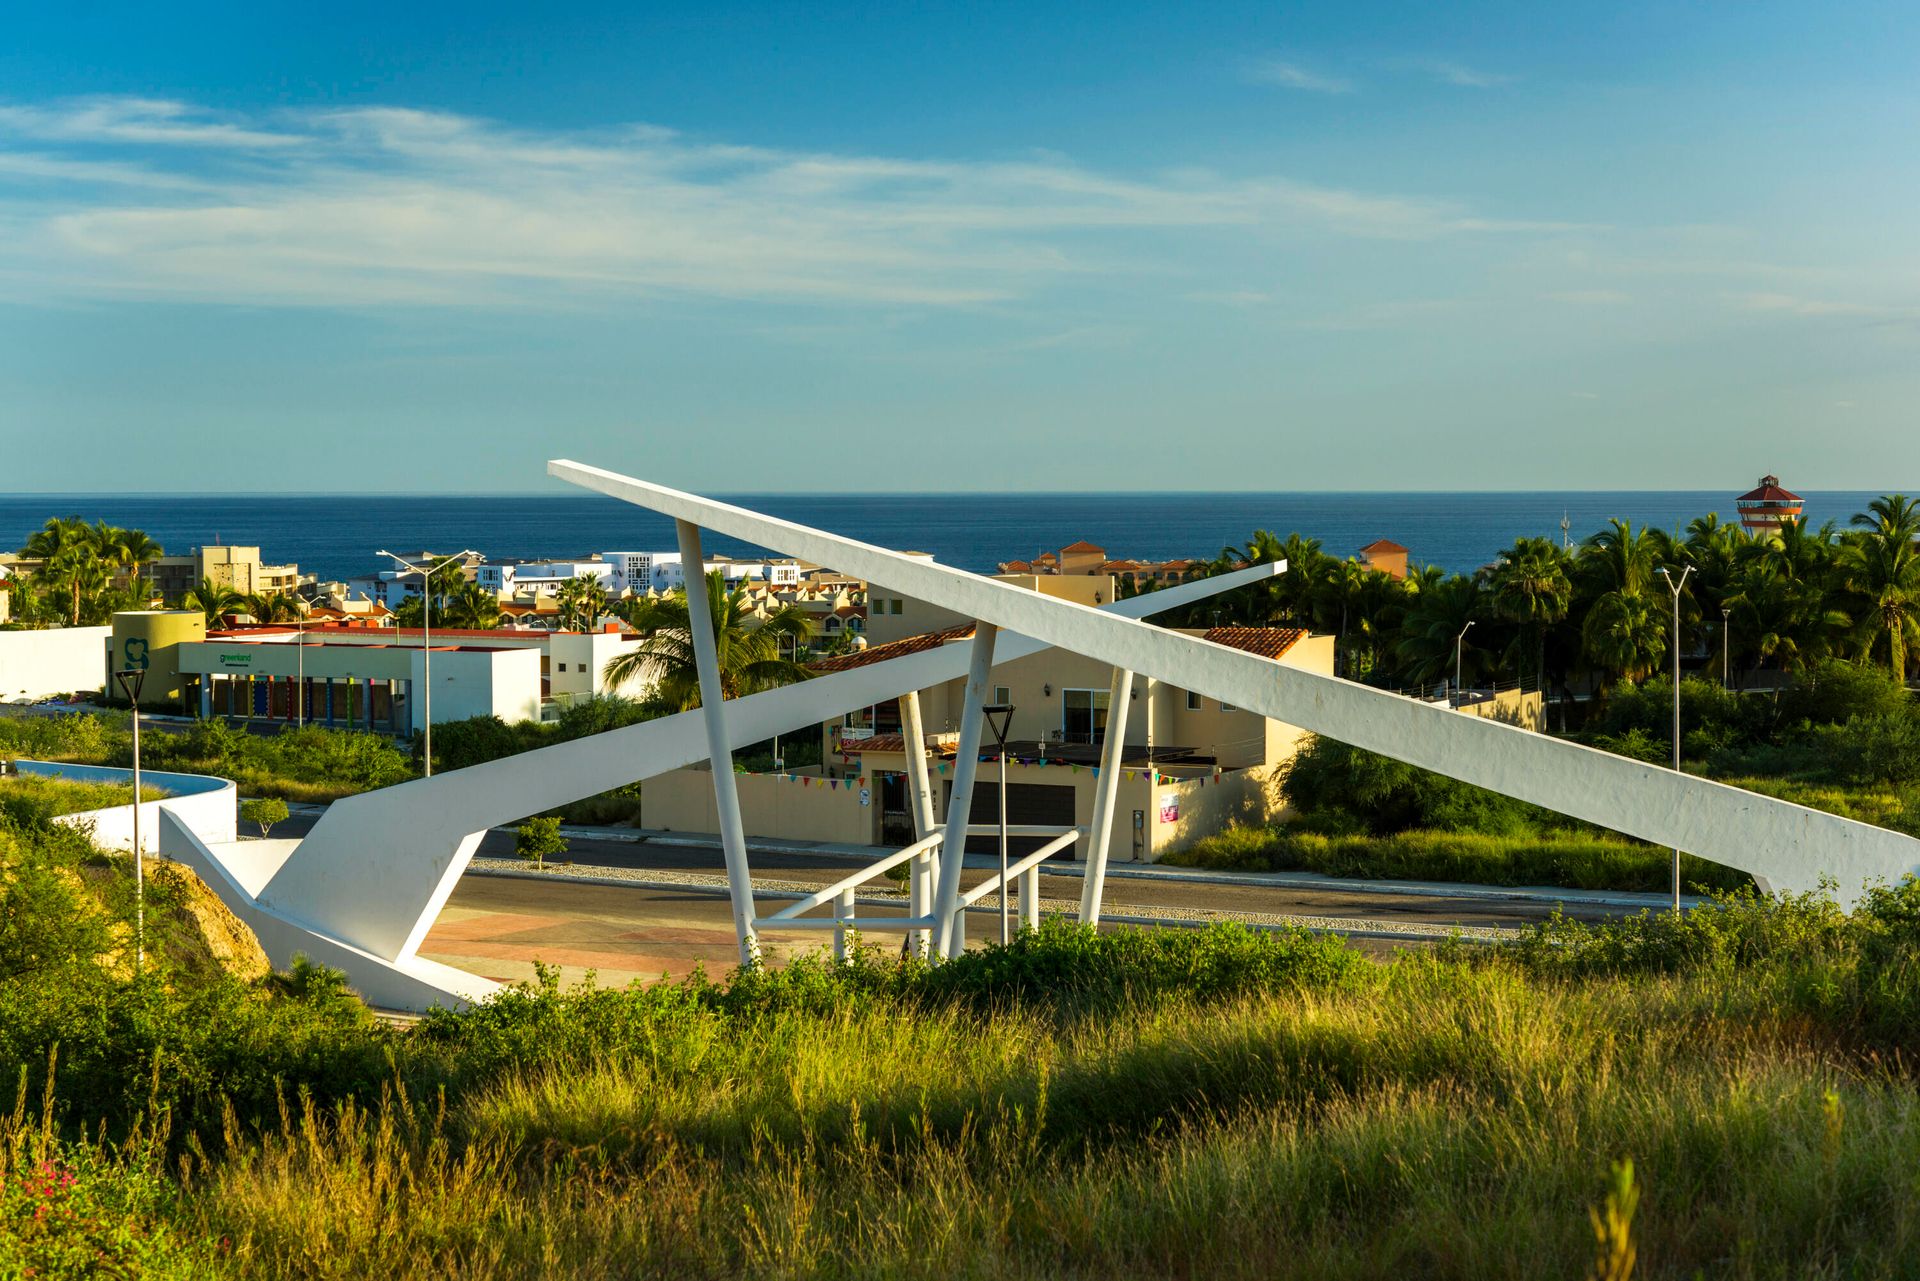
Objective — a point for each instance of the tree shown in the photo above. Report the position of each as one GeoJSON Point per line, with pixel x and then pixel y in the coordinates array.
{"type": "Point", "coordinates": [265, 811]}
{"type": "Point", "coordinates": [215, 600]}
{"type": "Point", "coordinates": [269, 607]}
{"type": "Point", "coordinates": [1431, 633]}
{"type": "Point", "coordinates": [539, 839]}
{"type": "Point", "coordinates": [582, 600]}
{"type": "Point", "coordinates": [1532, 589]}
{"type": "Point", "coordinates": [69, 557]}
{"type": "Point", "coordinates": [749, 647]}
{"type": "Point", "coordinates": [472, 605]}
{"type": "Point", "coordinates": [1625, 634]}
{"type": "Point", "coordinates": [1881, 570]}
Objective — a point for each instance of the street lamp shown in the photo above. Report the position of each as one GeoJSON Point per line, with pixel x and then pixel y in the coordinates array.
{"type": "Point", "coordinates": [999, 718]}
{"type": "Point", "coordinates": [1459, 644]}
{"type": "Point", "coordinates": [426, 642]}
{"type": "Point", "coordinates": [130, 682]}
{"type": "Point", "coordinates": [1676, 586]}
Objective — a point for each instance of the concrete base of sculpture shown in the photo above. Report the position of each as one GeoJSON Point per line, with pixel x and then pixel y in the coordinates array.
{"type": "Point", "coordinates": [236, 872]}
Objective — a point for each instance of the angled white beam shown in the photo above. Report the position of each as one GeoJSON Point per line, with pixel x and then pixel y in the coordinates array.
{"type": "Point", "coordinates": [377, 868]}
{"type": "Point", "coordinates": [920, 783]}
{"type": "Point", "coordinates": [966, 764]}
{"type": "Point", "coordinates": [1106, 790]}
{"type": "Point", "coordinates": [713, 716]}
{"type": "Point", "coordinates": [1790, 847]}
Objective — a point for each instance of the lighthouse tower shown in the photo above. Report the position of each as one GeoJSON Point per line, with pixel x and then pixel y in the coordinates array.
{"type": "Point", "coordinates": [1765, 509]}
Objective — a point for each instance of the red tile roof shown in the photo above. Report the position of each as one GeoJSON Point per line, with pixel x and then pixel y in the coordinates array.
{"type": "Point", "coordinates": [1383, 545]}
{"type": "Point", "coordinates": [892, 649]}
{"type": "Point", "coordinates": [883, 743]}
{"type": "Point", "coordinates": [1267, 642]}
{"type": "Point", "coordinates": [1083, 546]}
{"type": "Point", "coordinates": [1768, 492]}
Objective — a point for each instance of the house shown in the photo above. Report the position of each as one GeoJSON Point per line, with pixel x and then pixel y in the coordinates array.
{"type": "Point", "coordinates": [1385, 555]}
{"type": "Point", "coordinates": [1192, 765]}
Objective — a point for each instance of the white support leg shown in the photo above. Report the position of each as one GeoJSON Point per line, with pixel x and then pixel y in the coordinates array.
{"type": "Point", "coordinates": [1030, 899]}
{"type": "Point", "coordinates": [1105, 792]}
{"type": "Point", "coordinates": [925, 821]}
{"type": "Point", "coordinates": [726, 794]}
{"type": "Point", "coordinates": [842, 922]}
{"type": "Point", "coordinates": [966, 761]}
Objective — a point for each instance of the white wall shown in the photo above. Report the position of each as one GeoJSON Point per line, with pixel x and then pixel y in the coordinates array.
{"type": "Point", "coordinates": [207, 806]}
{"type": "Point", "coordinates": [55, 660]}
{"type": "Point", "coordinates": [480, 682]}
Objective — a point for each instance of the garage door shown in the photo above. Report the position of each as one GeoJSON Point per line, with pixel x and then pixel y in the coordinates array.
{"type": "Point", "coordinates": [1038, 803]}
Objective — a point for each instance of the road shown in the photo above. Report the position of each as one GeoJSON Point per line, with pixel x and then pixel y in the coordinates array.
{"type": "Point", "coordinates": [500, 925]}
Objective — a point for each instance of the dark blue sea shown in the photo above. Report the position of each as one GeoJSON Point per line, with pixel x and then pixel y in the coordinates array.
{"type": "Point", "coordinates": [336, 536]}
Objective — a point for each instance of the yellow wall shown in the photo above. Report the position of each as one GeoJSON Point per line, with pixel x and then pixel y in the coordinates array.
{"type": "Point", "coordinates": [770, 805]}
{"type": "Point", "coordinates": [155, 635]}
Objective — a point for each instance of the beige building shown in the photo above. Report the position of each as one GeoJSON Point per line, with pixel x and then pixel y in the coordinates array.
{"type": "Point", "coordinates": [238, 568]}
{"type": "Point", "coordinates": [1191, 765]}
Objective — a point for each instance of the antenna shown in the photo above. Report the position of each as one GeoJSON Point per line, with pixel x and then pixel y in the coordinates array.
{"type": "Point", "coordinates": [1566, 539]}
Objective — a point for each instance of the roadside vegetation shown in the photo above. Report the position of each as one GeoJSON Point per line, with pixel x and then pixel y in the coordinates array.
{"type": "Point", "coordinates": [32, 800]}
{"type": "Point", "coordinates": [1177, 1103]}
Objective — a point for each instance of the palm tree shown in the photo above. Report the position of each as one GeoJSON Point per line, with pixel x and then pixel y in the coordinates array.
{"type": "Point", "coordinates": [472, 605]}
{"type": "Point", "coordinates": [749, 648]}
{"type": "Point", "coordinates": [1781, 619]}
{"type": "Point", "coordinates": [1625, 633]}
{"type": "Point", "coordinates": [1435, 619]}
{"type": "Point", "coordinates": [1533, 589]}
{"type": "Point", "coordinates": [582, 600]}
{"type": "Point", "coordinates": [1881, 570]}
{"type": "Point", "coordinates": [69, 558]}
{"type": "Point", "coordinates": [268, 607]}
{"type": "Point", "coordinates": [215, 600]}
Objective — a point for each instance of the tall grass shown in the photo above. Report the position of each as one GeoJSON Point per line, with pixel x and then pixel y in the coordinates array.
{"type": "Point", "coordinates": [1573, 859]}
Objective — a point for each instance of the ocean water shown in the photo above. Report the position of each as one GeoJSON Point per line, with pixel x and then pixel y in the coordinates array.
{"type": "Point", "coordinates": [336, 536]}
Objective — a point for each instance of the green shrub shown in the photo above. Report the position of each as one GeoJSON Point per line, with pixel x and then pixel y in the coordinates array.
{"type": "Point", "coordinates": [1340, 789]}
{"type": "Point", "coordinates": [539, 839]}
{"type": "Point", "coordinates": [264, 812]}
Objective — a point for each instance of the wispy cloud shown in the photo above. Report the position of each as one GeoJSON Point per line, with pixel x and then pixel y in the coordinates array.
{"type": "Point", "coordinates": [1592, 297]}
{"type": "Point", "coordinates": [1460, 75]}
{"type": "Point", "coordinates": [142, 199]}
{"type": "Point", "coordinates": [1291, 75]}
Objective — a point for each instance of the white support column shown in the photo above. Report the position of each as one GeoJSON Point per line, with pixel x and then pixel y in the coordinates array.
{"type": "Point", "coordinates": [950, 929]}
{"type": "Point", "coordinates": [1030, 899]}
{"type": "Point", "coordinates": [726, 794]}
{"type": "Point", "coordinates": [920, 801]}
{"type": "Point", "coordinates": [1105, 791]}
{"type": "Point", "coordinates": [842, 922]}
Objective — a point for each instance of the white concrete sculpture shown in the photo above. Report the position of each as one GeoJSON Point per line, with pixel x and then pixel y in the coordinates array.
{"type": "Point", "coordinates": [362, 890]}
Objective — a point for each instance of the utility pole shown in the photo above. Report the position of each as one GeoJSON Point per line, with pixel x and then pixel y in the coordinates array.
{"type": "Point", "coordinates": [130, 682]}
{"type": "Point", "coordinates": [426, 645]}
{"type": "Point", "coordinates": [1459, 644]}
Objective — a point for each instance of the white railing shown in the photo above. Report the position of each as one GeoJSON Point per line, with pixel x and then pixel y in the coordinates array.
{"type": "Point", "coordinates": [1025, 873]}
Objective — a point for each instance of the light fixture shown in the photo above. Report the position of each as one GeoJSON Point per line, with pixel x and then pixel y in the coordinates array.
{"type": "Point", "coordinates": [1046, 691]}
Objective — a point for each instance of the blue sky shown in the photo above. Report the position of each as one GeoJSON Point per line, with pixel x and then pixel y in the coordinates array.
{"type": "Point", "coordinates": [1482, 246]}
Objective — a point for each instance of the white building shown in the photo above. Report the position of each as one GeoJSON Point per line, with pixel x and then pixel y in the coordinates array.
{"type": "Point", "coordinates": [540, 578]}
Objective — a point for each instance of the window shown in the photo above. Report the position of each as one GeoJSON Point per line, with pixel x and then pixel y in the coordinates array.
{"type": "Point", "coordinates": [1002, 695]}
{"type": "Point", "coordinates": [1193, 701]}
{"type": "Point", "coordinates": [563, 667]}
{"type": "Point", "coordinates": [1083, 715]}
{"type": "Point", "coordinates": [897, 603]}
{"type": "Point", "coordinates": [1226, 707]}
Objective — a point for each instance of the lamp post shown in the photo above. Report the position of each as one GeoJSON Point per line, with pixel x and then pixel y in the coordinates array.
{"type": "Point", "coordinates": [1676, 586]}
{"type": "Point", "coordinates": [999, 718]}
{"type": "Point", "coordinates": [426, 644]}
{"type": "Point", "coordinates": [130, 682]}
{"type": "Point", "coordinates": [1459, 646]}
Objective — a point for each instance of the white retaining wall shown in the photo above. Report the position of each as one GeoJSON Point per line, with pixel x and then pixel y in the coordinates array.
{"type": "Point", "coordinates": [52, 660]}
{"type": "Point", "coordinates": [206, 806]}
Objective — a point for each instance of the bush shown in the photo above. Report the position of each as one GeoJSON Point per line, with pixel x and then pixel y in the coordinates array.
{"type": "Point", "coordinates": [1339, 789]}
{"type": "Point", "coordinates": [264, 812]}
{"type": "Point", "coordinates": [1835, 691]}
{"type": "Point", "coordinates": [1879, 747]}
{"type": "Point", "coordinates": [539, 839]}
